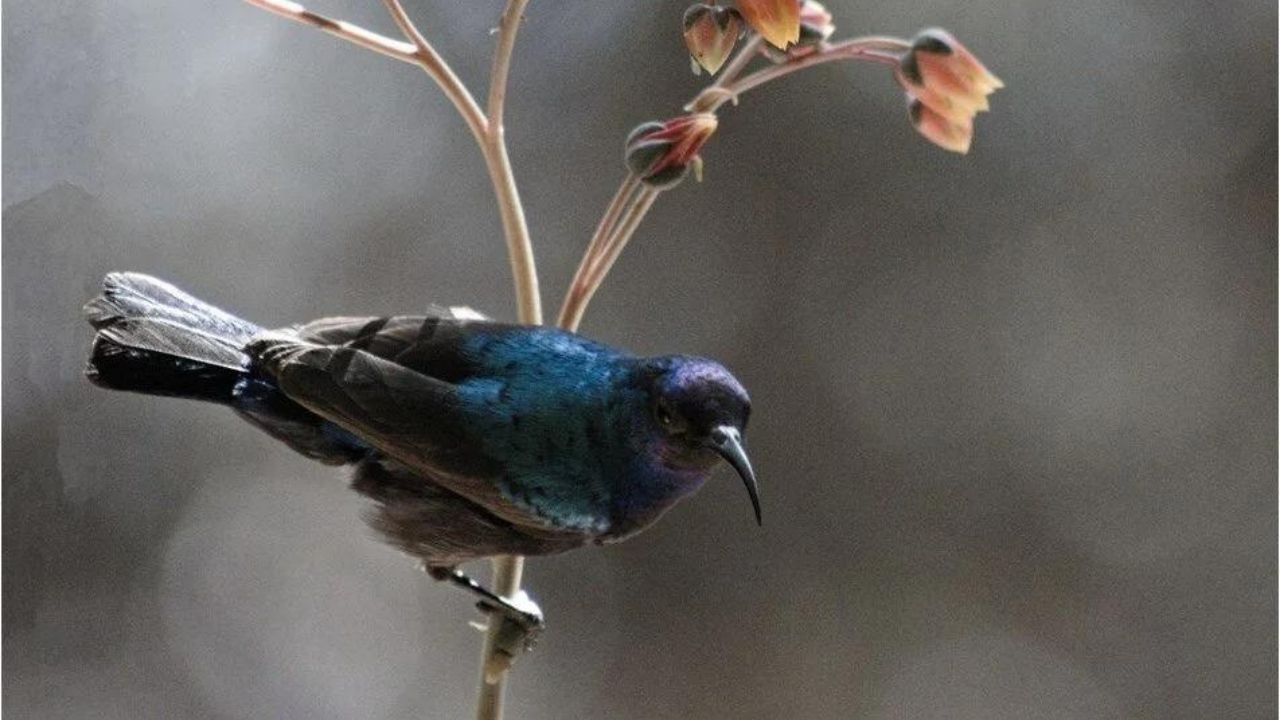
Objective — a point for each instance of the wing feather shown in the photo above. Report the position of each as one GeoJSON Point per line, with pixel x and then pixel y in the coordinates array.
{"type": "Point", "coordinates": [391, 381]}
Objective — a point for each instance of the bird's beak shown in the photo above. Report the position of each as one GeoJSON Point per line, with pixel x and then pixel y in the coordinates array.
{"type": "Point", "coordinates": [727, 442]}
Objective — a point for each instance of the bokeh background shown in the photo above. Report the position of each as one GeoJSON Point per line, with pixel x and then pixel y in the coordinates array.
{"type": "Point", "coordinates": [1015, 412]}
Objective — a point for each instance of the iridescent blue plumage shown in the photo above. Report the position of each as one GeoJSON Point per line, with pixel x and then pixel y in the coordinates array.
{"type": "Point", "coordinates": [474, 438]}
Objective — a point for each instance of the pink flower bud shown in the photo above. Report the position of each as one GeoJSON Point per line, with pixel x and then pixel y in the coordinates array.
{"type": "Point", "coordinates": [661, 153]}
{"type": "Point", "coordinates": [938, 129]}
{"type": "Point", "coordinates": [777, 21]}
{"type": "Point", "coordinates": [710, 32]}
{"type": "Point", "coordinates": [947, 87]}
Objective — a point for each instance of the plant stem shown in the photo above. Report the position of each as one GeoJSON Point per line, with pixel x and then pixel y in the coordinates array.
{"type": "Point", "coordinates": [426, 57]}
{"type": "Point", "coordinates": [512, 16]}
{"type": "Point", "coordinates": [578, 286]}
{"type": "Point", "coordinates": [607, 253]}
{"type": "Point", "coordinates": [380, 44]}
{"type": "Point", "coordinates": [883, 50]}
{"type": "Point", "coordinates": [594, 264]}
{"type": "Point", "coordinates": [508, 569]}
{"type": "Point", "coordinates": [524, 270]}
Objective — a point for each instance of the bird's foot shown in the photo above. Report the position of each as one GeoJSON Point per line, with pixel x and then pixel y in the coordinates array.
{"type": "Point", "coordinates": [520, 624]}
{"type": "Point", "coordinates": [521, 612]}
{"type": "Point", "coordinates": [519, 617]}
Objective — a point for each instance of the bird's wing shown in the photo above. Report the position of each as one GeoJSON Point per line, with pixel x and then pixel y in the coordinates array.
{"type": "Point", "coordinates": [435, 344]}
{"type": "Point", "coordinates": [392, 382]}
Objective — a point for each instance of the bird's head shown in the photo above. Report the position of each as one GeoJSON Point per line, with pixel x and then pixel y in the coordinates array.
{"type": "Point", "coordinates": [699, 411]}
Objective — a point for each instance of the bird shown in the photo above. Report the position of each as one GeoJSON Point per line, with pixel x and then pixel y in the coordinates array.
{"type": "Point", "coordinates": [472, 438]}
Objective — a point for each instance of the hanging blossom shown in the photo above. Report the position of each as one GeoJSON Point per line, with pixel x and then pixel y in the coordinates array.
{"type": "Point", "coordinates": [777, 21]}
{"type": "Point", "coordinates": [711, 31]}
{"type": "Point", "coordinates": [816, 26]}
{"type": "Point", "coordinates": [946, 88]}
{"type": "Point", "coordinates": [946, 85]}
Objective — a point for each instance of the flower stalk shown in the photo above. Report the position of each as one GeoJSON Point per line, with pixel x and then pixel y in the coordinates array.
{"type": "Point", "coordinates": [946, 86]}
{"type": "Point", "coordinates": [507, 570]}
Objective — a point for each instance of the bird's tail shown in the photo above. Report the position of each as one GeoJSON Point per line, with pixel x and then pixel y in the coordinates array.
{"type": "Point", "coordinates": [155, 339]}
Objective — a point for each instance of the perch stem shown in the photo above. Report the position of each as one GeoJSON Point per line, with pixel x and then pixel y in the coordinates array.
{"type": "Point", "coordinates": [508, 569]}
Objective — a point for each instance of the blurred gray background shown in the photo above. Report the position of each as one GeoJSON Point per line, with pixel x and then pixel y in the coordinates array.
{"type": "Point", "coordinates": [1015, 412]}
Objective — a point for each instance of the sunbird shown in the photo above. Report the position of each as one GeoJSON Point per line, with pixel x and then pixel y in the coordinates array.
{"type": "Point", "coordinates": [473, 438]}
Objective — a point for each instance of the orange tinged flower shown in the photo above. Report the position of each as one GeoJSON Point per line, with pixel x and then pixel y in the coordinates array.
{"type": "Point", "coordinates": [947, 86]}
{"type": "Point", "coordinates": [940, 130]}
{"type": "Point", "coordinates": [816, 27]}
{"type": "Point", "coordinates": [777, 21]}
{"type": "Point", "coordinates": [710, 32]}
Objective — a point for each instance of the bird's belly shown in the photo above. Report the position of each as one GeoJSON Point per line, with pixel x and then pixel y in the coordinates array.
{"type": "Point", "coordinates": [442, 528]}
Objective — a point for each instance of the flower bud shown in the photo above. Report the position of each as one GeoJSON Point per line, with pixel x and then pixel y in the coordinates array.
{"type": "Point", "coordinates": [661, 153]}
{"type": "Point", "coordinates": [947, 87]}
{"type": "Point", "coordinates": [710, 32]}
{"type": "Point", "coordinates": [938, 129]}
{"type": "Point", "coordinates": [777, 21]}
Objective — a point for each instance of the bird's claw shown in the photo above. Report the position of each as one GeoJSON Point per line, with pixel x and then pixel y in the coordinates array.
{"type": "Point", "coordinates": [520, 624]}
{"type": "Point", "coordinates": [521, 621]}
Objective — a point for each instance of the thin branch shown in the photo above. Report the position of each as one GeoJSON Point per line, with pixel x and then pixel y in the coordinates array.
{"type": "Point", "coordinates": [407, 27]}
{"type": "Point", "coordinates": [577, 286]}
{"type": "Point", "coordinates": [750, 50]}
{"type": "Point", "coordinates": [622, 235]}
{"type": "Point", "coordinates": [426, 57]}
{"type": "Point", "coordinates": [380, 44]}
{"type": "Point", "coordinates": [512, 16]}
{"type": "Point", "coordinates": [508, 569]}
{"type": "Point", "coordinates": [885, 51]}
{"type": "Point", "coordinates": [880, 49]}
{"type": "Point", "coordinates": [489, 134]}
{"type": "Point", "coordinates": [519, 247]}
{"type": "Point", "coordinates": [576, 302]}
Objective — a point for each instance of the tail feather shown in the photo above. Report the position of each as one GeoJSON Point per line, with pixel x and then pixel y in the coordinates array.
{"type": "Point", "coordinates": [154, 338]}
{"type": "Point", "coordinates": [130, 294]}
{"type": "Point", "coordinates": [120, 367]}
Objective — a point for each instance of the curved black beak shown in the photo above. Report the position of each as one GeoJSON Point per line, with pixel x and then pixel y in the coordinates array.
{"type": "Point", "coordinates": [727, 442]}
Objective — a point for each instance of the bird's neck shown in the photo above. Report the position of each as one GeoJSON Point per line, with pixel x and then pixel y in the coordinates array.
{"type": "Point", "coordinates": [654, 482]}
